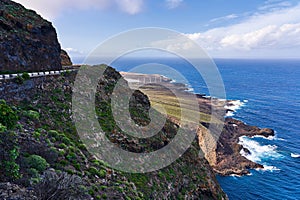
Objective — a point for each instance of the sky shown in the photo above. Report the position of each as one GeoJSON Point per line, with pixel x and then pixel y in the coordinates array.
{"type": "Point", "coordinates": [223, 28]}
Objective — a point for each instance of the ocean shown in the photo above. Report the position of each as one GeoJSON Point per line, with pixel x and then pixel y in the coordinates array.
{"type": "Point", "coordinates": [269, 94]}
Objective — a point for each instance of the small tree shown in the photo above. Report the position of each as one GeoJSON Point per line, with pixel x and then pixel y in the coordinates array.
{"type": "Point", "coordinates": [8, 117]}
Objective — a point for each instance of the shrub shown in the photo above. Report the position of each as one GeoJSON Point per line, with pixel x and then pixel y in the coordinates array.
{"type": "Point", "coordinates": [63, 162]}
{"type": "Point", "coordinates": [93, 170]}
{"type": "Point", "coordinates": [52, 133]}
{"type": "Point", "coordinates": [36, 135]}
{"type": "Point", "coordinates": [33, 173]}
{"type": "Point", "coordinates": [62, 152]}
{"type": "Point", "coordinates": [11, 167]}
{"type": "Point", "coordinates": [2, 128]}
{"type": "Point", "coordinates": [77, 166]}
{"type": "Point", "coordinates": [25, 76]}
{"type": "Point", "coordinates": [102, 173]}
{"type": "Point", "coordinates": [71, 156]}
{"type": "Point", "coordinates": [66, 140]}
{"type": "Point", "coordinates": [33, 114]}
{"type": "Point", "coordinates": [37, 162]}
{"type": "Point", "coordinates": [8, 117]}
{"type": "Point", "coordinates": [62, 146]}
{"type": "Point", "coordinates": [98, 197]}
{"type": "Point", "coordinates": [19, 80]}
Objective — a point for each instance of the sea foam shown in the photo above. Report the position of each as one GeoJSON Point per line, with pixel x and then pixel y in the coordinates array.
{"type": "Point", "coordinates": [268, 138]}
{"type": "Point", "coordinates": [269, 168]}
{"type": "Point", "coordinates": [233, 106]}
{"type": "Point", "coordinates": [294, 155]}
{"type": "Point", "coordinates": [258, 152]}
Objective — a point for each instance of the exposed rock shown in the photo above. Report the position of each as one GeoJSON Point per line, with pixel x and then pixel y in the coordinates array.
{"type": "Point", "coordinates": [228, 158]}
{"type": "Point", "coordinates": [27, 41]}
{"type": "Point", "coordinates": [10, 191]}
{"type": "Point", "coordinates": [266, 132]}
{"type": "Point", "coordinates": [65, 58]}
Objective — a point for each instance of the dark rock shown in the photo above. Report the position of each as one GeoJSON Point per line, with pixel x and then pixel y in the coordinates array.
{"type": "Point", "coordinates": [266, 132]}
{"type": "Point", "coordinates": [27, 41]}
{"type": "Point", "coordinates": [247, 151]}
{"type": "Point", "coordinates": [229, 158]}
{"type": "Point", "coordinates": [12, 191]}
{"type": "Point", "coordinates": [65, 59]}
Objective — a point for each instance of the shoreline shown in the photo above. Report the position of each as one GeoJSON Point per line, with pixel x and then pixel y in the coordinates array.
{"type": "Point", "coordinates": [229, 156]}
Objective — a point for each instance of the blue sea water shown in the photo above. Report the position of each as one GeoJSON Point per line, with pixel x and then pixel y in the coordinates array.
{"type": "Point", "coordinates": [270, 90]}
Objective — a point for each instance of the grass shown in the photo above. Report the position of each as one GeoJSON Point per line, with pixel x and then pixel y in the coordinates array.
{"type": "Point", "coordinates": [175, 106]}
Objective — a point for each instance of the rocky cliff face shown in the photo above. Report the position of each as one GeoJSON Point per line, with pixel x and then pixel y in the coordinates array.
{"type": "Point", "coordinates": [225, 156]}
{"type": "Point", "coordinates": [27, 41]}
{"type": "Point", "coordinates": [65, 58]}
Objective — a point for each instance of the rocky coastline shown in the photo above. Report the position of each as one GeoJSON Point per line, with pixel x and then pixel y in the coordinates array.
{"type": "Point", "coordinates": [225, 156]}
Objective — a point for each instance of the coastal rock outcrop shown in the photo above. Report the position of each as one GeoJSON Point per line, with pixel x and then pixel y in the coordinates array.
{"type": "Point", "coordinates": [228, 152]}
{"type": "Point", "coordinates": [27, 41]}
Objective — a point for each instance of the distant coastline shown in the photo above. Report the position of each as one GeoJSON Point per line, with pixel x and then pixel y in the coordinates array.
{"type": "Point", "coordinates": [230, 156]}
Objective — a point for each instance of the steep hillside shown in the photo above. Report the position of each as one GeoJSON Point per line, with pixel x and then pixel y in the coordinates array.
{"type": "Point", "coordinates": [27, 41]}
{"type": "Point", "coordinates": [44, 133]}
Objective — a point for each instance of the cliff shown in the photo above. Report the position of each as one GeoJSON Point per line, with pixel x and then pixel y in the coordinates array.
{"type": "Point", "coordinates": [226, 157]}
{"type": "Point", "coordinates": [222, 149]}
{"type": "Point", "coordinates": [44, 128]}
{"type": "Point", "coordinates": [27, 41]}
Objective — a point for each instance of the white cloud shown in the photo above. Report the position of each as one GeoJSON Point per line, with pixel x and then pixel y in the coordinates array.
{"type": "Point", "coordinates": [171, 4]}
{"type": "Point", "coordinates": [227, 17]}
{"type": "Point", "coordinates": [52, 9]}
{"type": "Point", "coordinates": [71, 50]}
{"type": "Point", "coordinates": [130, 6]}
{"type": "Point", "coordinates": [274, 5]}
{"type": "Point", "coordinates": [271, 36]}
{"type": "Point", "coordinates": [273, 32]}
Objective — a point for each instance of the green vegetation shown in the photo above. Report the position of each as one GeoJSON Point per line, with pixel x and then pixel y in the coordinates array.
{"type": "Point", "coordinates": [25, 76]}
{"type": "Point", "coordinates": [10, 165]}
{"type": "Point", "coordinates": [34, 115]}
{"type": "Point", "coordinates": [2, 128]}
{"type": "Point", "coordinates": [19, 80]}
{"type": "Point", "coordinates": [52, 142]}
{"type": "Point", "coordinates": [37, 162]}
{"type": "Point", "coordinates": [8, 117]}
{"type": "Point", "coordinates": [9, 152]}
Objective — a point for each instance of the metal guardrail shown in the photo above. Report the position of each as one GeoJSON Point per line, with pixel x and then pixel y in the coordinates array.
{"type": "Point", "coordinates": [35, 74]}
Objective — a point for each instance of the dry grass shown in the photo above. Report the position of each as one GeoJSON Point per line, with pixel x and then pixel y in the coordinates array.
{"type": "Point", "coordinates": [175, 106]}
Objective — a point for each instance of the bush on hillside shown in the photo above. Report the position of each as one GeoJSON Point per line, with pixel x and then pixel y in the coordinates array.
{"type": "Point", "coordinates": [8, 116]}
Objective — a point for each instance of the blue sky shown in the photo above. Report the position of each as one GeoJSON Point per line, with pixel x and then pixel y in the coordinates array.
{"type": "Point", "coordinates": [224, 28]}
